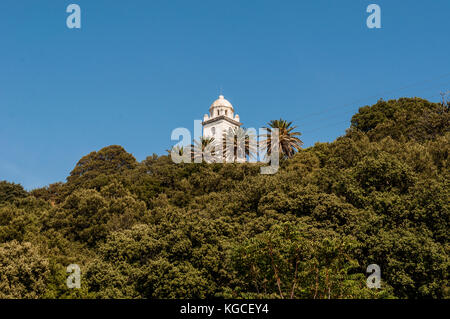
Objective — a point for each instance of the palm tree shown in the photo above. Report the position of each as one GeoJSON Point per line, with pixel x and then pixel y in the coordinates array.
{"type": "Point", "coordinates": [288, 142]}
{"type": "Point", "coordinates": [181, 151]}
{"type": "Point", "coordinates": [239, 143]}
{"type": "Point", "coordinates": [177, 149]}
{"type": "Point", "coordinates": [204, 148]}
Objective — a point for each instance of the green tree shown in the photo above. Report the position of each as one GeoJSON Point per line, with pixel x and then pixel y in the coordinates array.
{"type": "Point", "coordinates": [296, 261]}
{"type": "Point", "coordinates": [109, 160]}
{"type": "Point", "coordinates": [10, 191]}
{"type": "Point", "coordinates": [23, 271]}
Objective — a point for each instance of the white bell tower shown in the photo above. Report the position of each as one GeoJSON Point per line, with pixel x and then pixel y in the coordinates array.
{"type": "Point", "coordinates": [221, 117]}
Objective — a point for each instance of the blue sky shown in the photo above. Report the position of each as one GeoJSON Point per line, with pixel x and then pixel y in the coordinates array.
{"type": "Point", "coordinates": [136, 70]}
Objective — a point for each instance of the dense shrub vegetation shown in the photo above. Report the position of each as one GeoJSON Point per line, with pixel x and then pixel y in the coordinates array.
{"type": "Point", "coordinates": [155, 229]}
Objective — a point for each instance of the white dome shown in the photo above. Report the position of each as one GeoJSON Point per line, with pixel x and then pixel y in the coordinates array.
{"type": "Point", "coordinates": [221, 102]}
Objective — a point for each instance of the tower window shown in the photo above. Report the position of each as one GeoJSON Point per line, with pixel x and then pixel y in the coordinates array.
{"type": "Point", "coordinates": [213, 131]}
{"type": "Point", "coordinates": [226, 112]}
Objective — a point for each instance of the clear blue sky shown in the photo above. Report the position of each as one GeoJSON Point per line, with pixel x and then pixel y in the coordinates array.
{"type": "Point", "coordinates": [138, 69]}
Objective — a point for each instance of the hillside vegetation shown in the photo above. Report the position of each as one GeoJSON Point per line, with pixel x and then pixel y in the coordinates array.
{"type": "Point", "coordinates": [155, 229]}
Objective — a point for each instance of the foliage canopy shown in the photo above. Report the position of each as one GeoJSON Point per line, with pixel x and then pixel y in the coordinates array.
{"type": "Point", "coordinates": [155, 229]}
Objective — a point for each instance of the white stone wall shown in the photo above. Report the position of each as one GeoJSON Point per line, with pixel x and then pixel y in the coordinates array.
{"type": "Point", "coordinates": [216, 129]}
